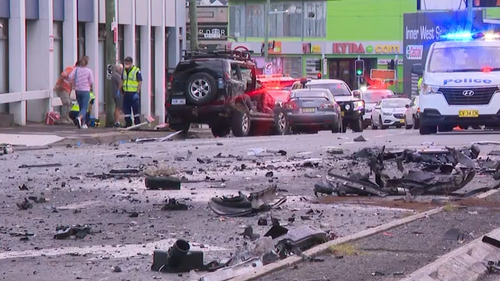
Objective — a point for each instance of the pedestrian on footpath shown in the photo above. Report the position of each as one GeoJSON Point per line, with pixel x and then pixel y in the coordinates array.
{"type": "Point", "coordinates": [83, 82]}
{"type": "Point", "coordinates": [131, 88]}
{"type": "Point", "coordinates": [116, 84]}
{"type": "Point", "coordinates": [63, 91]}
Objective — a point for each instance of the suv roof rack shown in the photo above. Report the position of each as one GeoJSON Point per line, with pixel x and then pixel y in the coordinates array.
{"type": "Point", "coordinates": [227, 54]}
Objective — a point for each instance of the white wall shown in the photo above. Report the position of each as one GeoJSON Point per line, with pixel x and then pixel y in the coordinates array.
{"type": "Point", "coordinates": [442, 4]}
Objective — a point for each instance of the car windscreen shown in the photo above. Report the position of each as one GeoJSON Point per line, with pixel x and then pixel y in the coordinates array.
{"type": "Point", "coordinates": [374, 96]}
{"type": "Point", "coordinates": [395, 103]}
{"type": "Point", "coordinates": [464, 59]}
{"type": "Point", "coordinates": [310, 95]}
{"type": "Point", "coordinates": [337, 89]}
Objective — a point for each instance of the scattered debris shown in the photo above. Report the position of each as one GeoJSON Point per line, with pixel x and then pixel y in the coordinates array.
{"type": "Point", "coordinates": [65, 232]}
{"type": "Point", "coordinates": [359, 139]}
{"type": "Point", "coordinates": [169, 183]}
{"type": "Point", "coordinates": [6, 148]}
{"type": "Point", "coordinates": [25, 205]}
{"type": "Point", "coordinates": [24, 166]}
{"type": "Point", "coordinates": [174, 205]}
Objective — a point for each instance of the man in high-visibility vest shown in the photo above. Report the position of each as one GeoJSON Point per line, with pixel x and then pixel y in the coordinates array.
{"type": "Point", "coordinates": [131, 88]}
{"type": "Point", "coordinates": [75, 110]}
{"type": "Point", "coordinates": [419, 84]}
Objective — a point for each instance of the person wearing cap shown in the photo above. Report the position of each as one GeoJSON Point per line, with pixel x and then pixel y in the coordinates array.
{"type": "Point", "coordinates": [131, 87]}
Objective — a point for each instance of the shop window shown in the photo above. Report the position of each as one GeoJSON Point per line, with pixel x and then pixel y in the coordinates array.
{"type": "Point", "coordinates": [309, 19]}
{"type": "Point", "coordinates": [314, 26]}
{"type": "Point", "coordinates": [137, 60]}
{"type": "Point", "coordinates": [4, 57]}
{"type": "Point", "coordinates": [80, 30]}
{"type": "Point", "coordinates": [58, 50]}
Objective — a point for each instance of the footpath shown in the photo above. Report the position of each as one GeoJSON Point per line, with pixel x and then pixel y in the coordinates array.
{"type": "Point", "coordinates": [443, 246]}
{"type": "Point", "coordinates": [64, 135]}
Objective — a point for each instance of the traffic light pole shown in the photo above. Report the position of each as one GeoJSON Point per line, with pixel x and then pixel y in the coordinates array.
{"type": "Point", "coordinates": [470, 15]}
{"type": "Point", "coordinates": [267, 9]}
{"type": "Point", "coordinates": [359, 78]}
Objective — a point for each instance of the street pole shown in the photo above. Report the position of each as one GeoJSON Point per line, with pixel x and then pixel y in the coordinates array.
{"type": "Point", "coordinates": [193, 25]}
{"type": "Point", "coordinates": [267, 9]}
{"type": "Point", "coordinates": [110, 57]}
{"type": "Point", "coordinates": [396, 73]}
{"type": "Point", "coordinates": [470, 16]}
{"type": "Point", "coordinates": [359, 78]}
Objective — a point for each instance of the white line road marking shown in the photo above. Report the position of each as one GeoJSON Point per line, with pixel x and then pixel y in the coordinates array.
{"type": "Point", "coordinates": [112, 251]}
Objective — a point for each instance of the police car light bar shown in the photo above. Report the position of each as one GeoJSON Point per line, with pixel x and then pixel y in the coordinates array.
{"type": "Point", "coordinates": [465, 36]}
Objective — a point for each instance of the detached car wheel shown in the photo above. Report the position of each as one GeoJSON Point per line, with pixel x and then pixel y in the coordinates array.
{"type": "Point", "coordinates": [240, 124]}
{"type": "Point", "coordinates": [427, 130]}
{"type": "Point", "coordinates": [201, 88]}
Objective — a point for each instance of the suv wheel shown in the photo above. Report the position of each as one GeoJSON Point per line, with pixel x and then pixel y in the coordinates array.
{"type": "Point", "coordinates": [357, 125]}
{"type": "Point", "coordinates": [221, 131]}
{"type": "Point", "coordinates": [241, 123]}
{"type": "Point", "coordinates": [201, 88]}
{"type": "Point", "coordinates": [183, 126]}
{"type": "Point", "coordinates": [281, 123]}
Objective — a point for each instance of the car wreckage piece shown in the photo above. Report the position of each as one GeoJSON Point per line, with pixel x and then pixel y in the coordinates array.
{"type": "Point", "coordinates": [242, 205]}
{"type": "Point", "coordinates": [445, 171]}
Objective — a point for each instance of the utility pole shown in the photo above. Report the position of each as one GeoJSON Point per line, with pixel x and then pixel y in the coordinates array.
{"type": "Point", "coordinates": [110, 57]}
{"type": "Point", "coordinates": [267, 9]}
{"type": "Point", "coordinates": [470, 15]}
{"type": "Point", "coordinates": [193, 25]}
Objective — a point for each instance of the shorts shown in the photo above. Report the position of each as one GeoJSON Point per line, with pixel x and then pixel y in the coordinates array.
{"type": "Point", "coordinates": [118, 101]}
{"type": "Point", "coordinates": [65, 97]}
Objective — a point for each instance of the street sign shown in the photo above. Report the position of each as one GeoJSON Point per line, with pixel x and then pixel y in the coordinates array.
{"type": "Point", "coordinates": [383, 74]}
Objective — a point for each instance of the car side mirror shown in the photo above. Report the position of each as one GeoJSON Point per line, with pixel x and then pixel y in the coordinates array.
{"type": "Point", "coordinates": [356, 94]}
{"type": "Point", "coordinates": [417, 68]}
{"type": "Point", "coordinates": [407, 106]}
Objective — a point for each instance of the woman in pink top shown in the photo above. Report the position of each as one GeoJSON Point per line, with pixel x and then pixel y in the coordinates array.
{"type": "Point", "coordinates": [82, 79]}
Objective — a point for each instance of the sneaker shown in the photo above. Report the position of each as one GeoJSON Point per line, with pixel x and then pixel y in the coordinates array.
{"type": "Point", "coordinates": [84, 126]}
{"type": "Point", "coordinates": [79, 122]}
{"type": "Point", "coordinates": [117, 125]}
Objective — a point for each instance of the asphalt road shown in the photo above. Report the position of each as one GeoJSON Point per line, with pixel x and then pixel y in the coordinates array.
{"type": "Point", "coordinates": [74, 198]}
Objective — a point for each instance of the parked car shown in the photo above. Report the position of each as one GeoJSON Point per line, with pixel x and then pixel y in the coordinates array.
{"type": "Point", "coordinates": [389, 112]}
{"type": "Point", "coordinates": [219, 88]}
{"type": "Point", "coordinates": [411, 115]}
{"type": "Point", "coordinates": [351, 105]}
{"type": "Point", "coordinates": [371, 97]}
{"type": "Point", "coordinates": [312, 110]}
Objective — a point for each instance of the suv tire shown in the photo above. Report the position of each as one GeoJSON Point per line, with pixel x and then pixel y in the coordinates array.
{"type": "Point", "coordinates": [427, 130]}
{"type": "Point", "coordinates": [240, 123]}
{"type": "Point", "coordinates": [184, 126]}
{"type": "Point", "coordinates": [201, 88]}
{"type": "Point", "coordinates": [357, 125]}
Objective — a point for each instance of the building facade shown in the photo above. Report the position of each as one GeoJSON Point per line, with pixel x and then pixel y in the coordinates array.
{"type": "Point", "coordinates": [39, 38]}
{"type": "Point", "coordinates": [313, 36]}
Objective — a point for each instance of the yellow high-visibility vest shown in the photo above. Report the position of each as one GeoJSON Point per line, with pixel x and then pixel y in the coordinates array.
{"type": "Point", "coordinates": [130, 83]}
{"type": "Point", "coordinates": [76, 107]}
{"type": "Point", "coordinates": [420, 83]}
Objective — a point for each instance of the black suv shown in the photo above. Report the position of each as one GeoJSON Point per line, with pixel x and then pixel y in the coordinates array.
{"type": "Point", "coordinates": [353, 108]}
{"type": "Point", "coordinates": [219, 88]}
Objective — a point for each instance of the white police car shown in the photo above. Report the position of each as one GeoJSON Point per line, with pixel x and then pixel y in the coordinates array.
{"type": "Point", "coordinates": [461, 83]}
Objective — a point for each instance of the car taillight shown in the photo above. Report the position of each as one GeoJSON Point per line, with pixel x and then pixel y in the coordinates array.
{"type": "Point", "coordinates": [418, 109]}
{"type": "Point", "coordinates": [290, 105]}
{"type": "Point", "coordinates": [327, 105]}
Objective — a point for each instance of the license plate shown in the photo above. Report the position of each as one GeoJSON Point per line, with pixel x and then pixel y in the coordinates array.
{"type": "Point", "coordinates": [308, 110]}
{"type": "Point", "coordinates": [402, 120]}
{"type": "Point", "coordinates": [468, 113]}
{"type": "Point", "coordinates": [178, 101]}
{"type": "Point", "coordinates": [342, 113]}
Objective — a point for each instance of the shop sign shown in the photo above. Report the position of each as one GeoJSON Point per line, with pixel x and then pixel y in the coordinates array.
{"type": "Point", "coordinates": [414, 52]}
{"type": "Point", "coordinates": [273, 48]}
{"type": "Point", "coordinates": [308, 48]}
{"type": "Point", "coordinates": [383, 74]}
{"type": "Point", "coordinates": [359, 48]}
{"type": "Point", "coordinates": [211, 32]}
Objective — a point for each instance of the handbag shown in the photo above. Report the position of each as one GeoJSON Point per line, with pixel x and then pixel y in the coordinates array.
{"type": "Point", "coordinates": [72, 95]}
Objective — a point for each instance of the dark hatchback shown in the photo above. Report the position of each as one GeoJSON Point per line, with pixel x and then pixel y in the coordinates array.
{"type": "Point", "coordinates": [312, 110]}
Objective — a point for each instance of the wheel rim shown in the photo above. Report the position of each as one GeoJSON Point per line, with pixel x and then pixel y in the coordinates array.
{"type": "Point", "coordinates": [245, 123]}
{"type": "Point", "coordinates": [199, 89]}
{"type": "Point", "coordinates": [282, 121]}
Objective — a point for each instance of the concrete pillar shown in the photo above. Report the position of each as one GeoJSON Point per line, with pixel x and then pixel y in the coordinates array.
{"type": "Point", "coordinates": [17, 59]}
{"type": "Point", "coordinates": [129, 35]}
{"type": "Point", "coordinates": [70, 24]}
{"type": "Point", "coordinates": [160, 67]}
{"type": "Point", "coordinates": [40, 61]}
{"type": "Point", "coordinates": [92, 51]}
{"type": "Point", "coordinates": [146, 64]}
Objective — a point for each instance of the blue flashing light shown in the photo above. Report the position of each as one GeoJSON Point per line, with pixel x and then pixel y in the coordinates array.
{"type": "Point", "coordinates": [458, 36]}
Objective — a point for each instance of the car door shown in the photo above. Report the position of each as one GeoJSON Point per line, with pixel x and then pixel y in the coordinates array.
{"type": "Point", "coordinates": [376, 112]}
{"type": "Point", "coordinates": [237, 84]}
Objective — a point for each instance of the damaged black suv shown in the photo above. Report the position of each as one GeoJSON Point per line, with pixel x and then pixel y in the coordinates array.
{"type": "Point", "coordinates": [219, 88]}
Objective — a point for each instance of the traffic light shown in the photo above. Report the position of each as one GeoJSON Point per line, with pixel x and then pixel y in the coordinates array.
{"type": "Point", "coordinates": [360, 68]}
{"type": "Point", "coordinates": [391, 65]}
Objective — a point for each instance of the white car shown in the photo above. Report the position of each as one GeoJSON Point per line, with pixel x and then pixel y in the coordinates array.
{"type": "Point", "coordinates": [389, 112]}
{"type": "Point", "coordinates": [411, 114]}
{"type": "Point", "coordinates": [371, 97]}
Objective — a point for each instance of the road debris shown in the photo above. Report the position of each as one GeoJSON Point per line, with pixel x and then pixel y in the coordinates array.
{"type": "Point", "coordinates": [155, 183]}
{"type": "Point", "coordinates": [78, 231]}
{"type": "Point", "coordinates": [174, 205]}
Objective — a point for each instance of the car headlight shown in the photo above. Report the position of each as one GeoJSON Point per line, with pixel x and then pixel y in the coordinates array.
{"type": "Point", "coordinates": [347, 107]}
{"type": "Point", "coordinates": [359, 104]}
{"type": "Point", "coordinates": [387, 113]}
{"type": "Point", "coordinates": [428, 89]}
